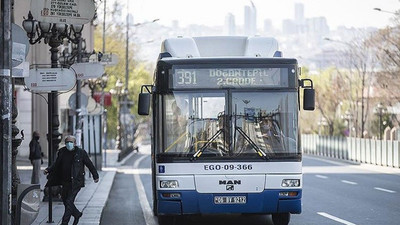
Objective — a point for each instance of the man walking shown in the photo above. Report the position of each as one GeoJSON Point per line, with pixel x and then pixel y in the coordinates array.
{"type": "Point", "coordinates": [35, 155]}
{"type": "Point", "coordinates": [68, 171]}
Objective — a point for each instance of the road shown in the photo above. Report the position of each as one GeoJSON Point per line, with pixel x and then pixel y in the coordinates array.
{"type": "Point", "coordinates": [333, 193]}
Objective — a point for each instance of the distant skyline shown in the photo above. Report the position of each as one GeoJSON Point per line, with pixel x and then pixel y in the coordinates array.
{"type": "Point", "coordinates": [349, 13]}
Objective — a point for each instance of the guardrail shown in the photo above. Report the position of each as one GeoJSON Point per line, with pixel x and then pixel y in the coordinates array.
{"type": "Point", "coordinates": [377, 152]}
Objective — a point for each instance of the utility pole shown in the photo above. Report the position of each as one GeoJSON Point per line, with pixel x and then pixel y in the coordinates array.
{"type": "Point", "coordinates": [5, 110]}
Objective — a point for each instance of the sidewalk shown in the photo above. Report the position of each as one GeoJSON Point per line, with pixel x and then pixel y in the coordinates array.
{"type": "Point", "coordinates": [91, 199]}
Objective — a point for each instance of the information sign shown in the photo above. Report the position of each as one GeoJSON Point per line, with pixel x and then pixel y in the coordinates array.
{"type": "Point", "coordinates": [88, 70]}
{"type": "Point", "coordinates": [76, 12]}
{"type": "Point", "coordinates": [50, 79]}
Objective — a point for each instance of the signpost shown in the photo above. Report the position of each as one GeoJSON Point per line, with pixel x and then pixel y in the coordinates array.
{"type": "Point", "coordinates": [88, 70]}
{"type": "Point", "coordinates": [50, 79]}
{"type": "Point", "coordinates": [76, 12]}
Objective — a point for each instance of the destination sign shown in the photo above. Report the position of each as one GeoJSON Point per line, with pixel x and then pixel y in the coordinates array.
{"type": "Point", "coordinates": [229, 77]}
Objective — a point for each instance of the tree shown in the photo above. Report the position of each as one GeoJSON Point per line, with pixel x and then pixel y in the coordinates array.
{"type": "Point", "coordinates": [386, 43]}
{"type": "Point", "coordinates": [139, 73]}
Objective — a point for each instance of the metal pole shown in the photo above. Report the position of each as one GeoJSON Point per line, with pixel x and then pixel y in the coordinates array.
{"type": "Point", "coordinates": [53, 121]}
{"type": "Point", "coordinates": [125, 96]}
{"type": "Point", "coordinates": [50, 153]}
{"type": "Point", "coordinates": [104, 26]}
{"type": "Point", "coordinates": [103, 137]}
{"type": "Point", "coordinates": [5, 110]}
{"type": "Point", "coordinates": [380, 124]}
{"type": "Point", "coordinates": [78, 126]}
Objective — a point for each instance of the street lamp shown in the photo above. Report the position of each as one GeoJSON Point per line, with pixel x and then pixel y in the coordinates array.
{"type": "Point", "coordinates": [385, 11]}
{"type": "Point", "coordinates": [53, 34]}
{"type": "Point", "coordinates": [322, 123]}
{"type": "Point", "coordinates": [118, 91]}
{"type": "Point", "coordinates": [380, 109]}
{"type": "Point", "coordinates": [348, 117]}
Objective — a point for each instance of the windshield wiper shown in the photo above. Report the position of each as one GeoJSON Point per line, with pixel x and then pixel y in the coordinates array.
{"type": "Point", "coordinates": [260, 152]}
{"type": "Point", "coordinates": [209, 141]}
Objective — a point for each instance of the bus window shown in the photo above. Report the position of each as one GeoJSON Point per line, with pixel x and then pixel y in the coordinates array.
{"type": "Point", "coordinates": [191, 120]}
{"type": "Point", "coordinates": [265, 119]}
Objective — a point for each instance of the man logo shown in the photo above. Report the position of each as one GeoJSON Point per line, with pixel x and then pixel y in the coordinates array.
{"type": "Point", "coordinates": [230, 184]}
{"type": "Point", "coordinates": [230, 187]}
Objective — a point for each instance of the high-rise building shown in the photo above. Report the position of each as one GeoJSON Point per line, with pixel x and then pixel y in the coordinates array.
{"type": "Point", "coordinates": [230, 26]}
{"type": "Point", "coordinates": [317, 25]}
{"type": "Point", "coordinates": [268, 28]}
{"type": "Point", "coordinates": [288, 27]}
{"type": "Point", "coordinates": [299, 12]}
{"type": "Point", "coordinates": [250, 19]}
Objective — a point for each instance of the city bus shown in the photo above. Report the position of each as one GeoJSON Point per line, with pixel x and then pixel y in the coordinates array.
{"type": "Point", "coordinates": [225, 133]}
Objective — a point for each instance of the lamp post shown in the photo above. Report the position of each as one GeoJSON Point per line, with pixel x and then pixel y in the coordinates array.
{"type": "Point", "coordinates": [53, 35]}
{"type": "Point", "coordinates": [118, 92]}
{"type": "Point", "coordinates": [348, 117]}
{"type": "Point", "coordinates": [385, 11]}
{"type": "Point", "coordinates": [380, 109]}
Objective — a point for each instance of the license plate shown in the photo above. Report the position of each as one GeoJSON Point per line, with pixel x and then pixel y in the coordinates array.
{"type": "Point", "coordinates": [230, 199]}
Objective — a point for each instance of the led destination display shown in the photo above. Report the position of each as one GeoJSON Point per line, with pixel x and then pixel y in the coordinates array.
{"type": "Point", "coordinates": [229, 77]}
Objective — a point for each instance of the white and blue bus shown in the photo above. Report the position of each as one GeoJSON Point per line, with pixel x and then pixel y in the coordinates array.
{"type": "Point", "coordinates": [225, 128]}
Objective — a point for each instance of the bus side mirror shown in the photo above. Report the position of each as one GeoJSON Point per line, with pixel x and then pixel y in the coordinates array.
{"type": "Point", "coordinates": [309, 94]}
{"type": "Point", "coordinates": [144, 100]}
{"type": "Point", "coordinates": [144, 104]}
{"type": "Point", "coordinates": [309, 99]}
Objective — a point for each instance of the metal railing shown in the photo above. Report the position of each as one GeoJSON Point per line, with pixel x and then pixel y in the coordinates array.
{"type": "Point", "coordinates": [370, 151]}
{"type": "Point", "coordinates": [28, 202]}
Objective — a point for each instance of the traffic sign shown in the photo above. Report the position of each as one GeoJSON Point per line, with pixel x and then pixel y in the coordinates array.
{"type": "Point", "coordinates": [72, 100]}
{"type": "Point", "coordinates": [20, 45]}
{"type": "Point", "coordinates": [88, 70]}
{"type": "Point", "coordinates": [75, 12]}
{"type": "Point", "coordinates": [50, 79]}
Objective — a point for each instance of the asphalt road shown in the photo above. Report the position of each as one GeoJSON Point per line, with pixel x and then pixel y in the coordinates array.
{"type": "Point", "coordinates": [333, 193]}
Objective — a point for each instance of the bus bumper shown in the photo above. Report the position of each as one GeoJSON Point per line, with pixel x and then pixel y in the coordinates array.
{"type": "Point", "coordinates": [192, 202]}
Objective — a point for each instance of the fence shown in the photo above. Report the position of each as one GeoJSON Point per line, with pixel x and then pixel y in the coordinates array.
{"type": "Point", "coordinates": [92, 138]}
{"type": "Point", "coordinates": [377, 152]}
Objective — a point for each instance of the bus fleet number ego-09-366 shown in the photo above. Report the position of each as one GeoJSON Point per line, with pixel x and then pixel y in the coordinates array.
{"type": "Point", "coordinates": [228, 167]}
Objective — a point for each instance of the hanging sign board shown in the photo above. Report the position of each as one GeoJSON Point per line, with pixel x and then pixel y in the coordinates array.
{"type": "Point", "coordinates": [109, 59]}
{"type": "Point", "coordinates": [50, 79]}
{"type": "Point", "coordinates": [88, 70]}
{"type": "Point", "coordinates": [76, 12]}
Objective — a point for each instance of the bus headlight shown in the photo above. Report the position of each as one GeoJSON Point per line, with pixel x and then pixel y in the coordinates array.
{"type": "Point", "coordinates": [290, 183]}
{"type": "Point", "coordinates": [169, 184]}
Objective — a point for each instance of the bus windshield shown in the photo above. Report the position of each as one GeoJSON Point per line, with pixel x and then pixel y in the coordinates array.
{"type": "Point", "coordinates": [230, 124]}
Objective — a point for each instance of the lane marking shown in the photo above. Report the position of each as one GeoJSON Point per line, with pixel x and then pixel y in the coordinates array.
{"type": "Point", "coordinates": [144, 202]}
{"type": "Point", "coordinates": [349, 182]}
{"type": "Point", "coordinates": [335, 218]}
{"type": "Point", "coordinates": [321, 176]}
{"type": "Point", "coordinates": [385, 190]}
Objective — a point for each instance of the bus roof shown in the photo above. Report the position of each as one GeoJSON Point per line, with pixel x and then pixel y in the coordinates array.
{"type": "Point", "coordinates": [221, 46]}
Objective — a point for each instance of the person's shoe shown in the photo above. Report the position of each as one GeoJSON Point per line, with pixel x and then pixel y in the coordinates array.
{"type": "Point", "coordinates": [76, 219]}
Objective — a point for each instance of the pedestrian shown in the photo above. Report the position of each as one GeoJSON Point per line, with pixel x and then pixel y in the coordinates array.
{"type": "Point", "coordinates": [35, 156]}
{"type": "Point", "coordinates": [68, 171]}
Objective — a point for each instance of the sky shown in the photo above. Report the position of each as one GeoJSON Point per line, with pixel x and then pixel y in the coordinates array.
{"type": "Point", "coordinates": [350, 13]}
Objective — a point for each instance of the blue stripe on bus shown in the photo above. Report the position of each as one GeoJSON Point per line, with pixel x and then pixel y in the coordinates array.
{"type": "Point", "coordinates": [192, 202]}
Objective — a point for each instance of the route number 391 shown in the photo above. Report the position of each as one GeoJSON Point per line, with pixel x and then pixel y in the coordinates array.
{"type": "Point", "coordinates": [186, 77]}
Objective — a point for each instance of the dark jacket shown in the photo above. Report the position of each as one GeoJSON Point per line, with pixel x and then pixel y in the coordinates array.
{"type": "Point", "coordinates": [80, 160]}
{"type": "Point", "coordinates": [35, 151]}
